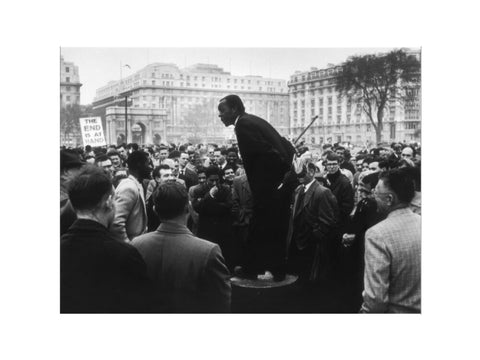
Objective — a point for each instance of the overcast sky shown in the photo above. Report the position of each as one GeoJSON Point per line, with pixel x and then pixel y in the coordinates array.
{"type": "Point", "coordinates": [98, 66]}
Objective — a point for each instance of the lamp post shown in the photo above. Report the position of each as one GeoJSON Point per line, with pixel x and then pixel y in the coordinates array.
{"type": "Point", "coordinates": [126, 124]}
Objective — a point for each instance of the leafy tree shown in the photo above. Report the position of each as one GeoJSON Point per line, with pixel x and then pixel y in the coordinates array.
{"type": "Point", "coordinates": [69, 123]}
{"type": "Point", "coordinates": [69, 118]}
{"type": "Point", "coordinates": [200, 120]}
{"type": "Point", "coordinates": [374, 80]}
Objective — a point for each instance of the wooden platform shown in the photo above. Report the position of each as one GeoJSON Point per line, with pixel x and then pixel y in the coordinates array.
{"type": "Point", "coordinates": [263, 281]}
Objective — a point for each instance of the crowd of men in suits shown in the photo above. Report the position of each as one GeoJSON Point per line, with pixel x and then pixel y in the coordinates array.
{"type": "Point", "coordinates": [163, 228]}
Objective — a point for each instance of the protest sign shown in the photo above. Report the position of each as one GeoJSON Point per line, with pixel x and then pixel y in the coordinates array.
{"type": "Point", "coordinates": [92, 131]}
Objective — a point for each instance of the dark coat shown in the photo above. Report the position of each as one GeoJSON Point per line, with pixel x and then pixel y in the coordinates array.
{"type": "Point", "coordinates": [242, 201]}
{"type": "Point", "coordinates": [266, 156]}
{"type": "Point", "coordinates": [99, 274]}
{"type": "Point", "coordinates": [319, 213]}
{"type": "Point", "coordinates": [343, 191]}
{"type": "Point", "coordinates": [190, 177]}
{"type": "Point", "coordinates": [214, 214]}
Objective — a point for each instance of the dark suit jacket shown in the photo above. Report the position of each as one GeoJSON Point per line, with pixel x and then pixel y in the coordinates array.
{"type": "Point", "coordinates": [189, 271]}
{"type": "Point", "coordinates": [343, 191]}
{"type": "Point", "coordinates": [190, 177]}
{"type": "Point", "coordinates": [99, 274]}
{"type": "Point", "coordinates": [266, 156]}
{"type": "Point", "coordinates": [319, 213]}
{"type": "Point", "coordinates": [242, 201]}
{"type": "Point", "coordinates": [214, 214]}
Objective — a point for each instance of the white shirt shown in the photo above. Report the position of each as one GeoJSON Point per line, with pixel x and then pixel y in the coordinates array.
{"type": "Point", "coordinates": [307, 186]}
{"type": "Point", "coordinates": [235, 123]}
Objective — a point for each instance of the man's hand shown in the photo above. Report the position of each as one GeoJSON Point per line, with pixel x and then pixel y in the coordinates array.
{"type": "Point", "coordinates": [213, 191]}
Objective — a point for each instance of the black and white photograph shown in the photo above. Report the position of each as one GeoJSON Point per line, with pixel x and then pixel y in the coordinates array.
{"type": "Point", "coordinates": [239, 180]}
{"type": "Point", "coordinates": [243, 180]}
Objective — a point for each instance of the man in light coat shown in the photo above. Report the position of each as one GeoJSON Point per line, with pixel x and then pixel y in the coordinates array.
{"type": "Point", "coordinates": [189, 272]}
{"type": "Point", "coordinates": [131, 215]}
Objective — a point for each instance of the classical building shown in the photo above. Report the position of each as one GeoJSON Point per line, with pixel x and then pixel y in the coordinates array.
{"type": "Point", "coordinates": [341, 119]}
{"type": "Point", "coordinates": [69, 83]}
{"type": "Point", "coordinates": [169, 104]}
{"type": "Point", "coordinates": [69, 95]}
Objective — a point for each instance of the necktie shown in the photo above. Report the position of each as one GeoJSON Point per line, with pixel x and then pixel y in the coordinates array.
{"type": "Point", "coordinates": [301, 196]}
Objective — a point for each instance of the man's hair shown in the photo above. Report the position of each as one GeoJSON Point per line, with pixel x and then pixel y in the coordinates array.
{"type": "Point", "coordinates": [232, 150]}
{"type": "Point", "coordinates": [88, 148]}
{"type": "Point", "coordinates": [156, 171]}
{"type": "Point", "coordinates": [174, 154]}
{"type": "Point", "coordinates": [201, 169]}
{"type": "Point", "coordinates": [88, 188]}
{"type": "Point", "coordinates": [121, 146]}
{"type": "Point", "coordinates": [311, 166]}
{"type": "Point", "coordinates": [162, 147]}
{"type": "Point", "coordinates": [234, 102]}
{"type": "Point", "coordinates": [371, 179]}
{"type": "Point", "coordinates": [401, 182]}
{"type": "Point", "coordinates": [213, 170]}
{"type": "Point", "coordinates": [333, 157]}
{"type": "Point", "coordinates": [170, 200]}
{"type": "Point", "coordinates": [101, 158]}
{"type": "Point", "coordinates": [228, 167]}
{"type": "Point", "coordinates": [113, 153]}
{"type": "Point", "coordinates": [136, 160]}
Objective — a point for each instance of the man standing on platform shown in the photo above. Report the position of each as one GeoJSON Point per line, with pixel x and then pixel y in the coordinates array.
{"type": "Point", "coordinates": [267, 157]}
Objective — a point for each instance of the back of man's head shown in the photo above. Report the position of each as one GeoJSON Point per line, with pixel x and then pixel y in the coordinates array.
{"type": "Point", "coordinates": [401, 182]}
{"type": "Point", "coordinates": [101, 158]}
{"type": "Point", "coordinates": [175, 154]}
{"type": "Point", "coordinates": [89, 187]}
{"type": "Point", "coordinates": [136, 160]}
{"type": "Point", "coordinates": [213, 170]}
{"type": "Point", "coordinates": [170, 200]}
{"type": "Point", "coordinates": [234, 102]}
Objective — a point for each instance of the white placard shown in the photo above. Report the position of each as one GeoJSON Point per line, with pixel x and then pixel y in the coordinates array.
{"type": "Point", "coordinates": [92, 131]}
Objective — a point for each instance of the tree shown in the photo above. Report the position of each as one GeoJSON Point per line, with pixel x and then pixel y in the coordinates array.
{"type": "Point", "coordinates": [375, 80]}
{"type": "Point", "coordinates": [69, 123]}
{"type": "Point", "coordinates": [199, 119]}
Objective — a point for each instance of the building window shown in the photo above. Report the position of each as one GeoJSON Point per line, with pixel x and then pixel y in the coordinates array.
{"type": "Point", "coordinates": [67, 79]}
{"type": "Point", "coordinates": [153, 82]}
{"type": "Point", "coordinates": [329, 100]}
{"type": "Point", "coordinates": [67, 69]}
{"type": "Point", "coordinates": [68, 88]}
{"type": "Point", "coordinates": [68, 97]}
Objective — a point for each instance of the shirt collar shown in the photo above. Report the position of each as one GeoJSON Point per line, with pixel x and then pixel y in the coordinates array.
{"type": "Point", "coordinates": [172, 227]}
{"type": "Point", "coordinates": [307, 186]}
{"type": "Point", "coordinates": [236, 120]}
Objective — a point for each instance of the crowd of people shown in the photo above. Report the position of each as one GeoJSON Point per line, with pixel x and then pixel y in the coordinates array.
{"type": "Point", "coordinates": [163, 228]}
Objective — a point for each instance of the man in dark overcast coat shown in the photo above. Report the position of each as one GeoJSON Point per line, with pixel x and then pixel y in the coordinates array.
{"type": "Point", "coordinates": [267, 157]}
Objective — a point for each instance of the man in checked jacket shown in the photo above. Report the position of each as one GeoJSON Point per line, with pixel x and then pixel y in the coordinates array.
{"type": "Point", "coordinates": [393, 250]}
